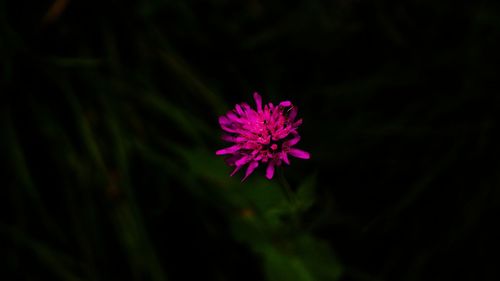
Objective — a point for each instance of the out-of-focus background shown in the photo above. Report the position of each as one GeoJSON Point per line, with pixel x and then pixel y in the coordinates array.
{"type": "Point", "coordinates": [109, 127]}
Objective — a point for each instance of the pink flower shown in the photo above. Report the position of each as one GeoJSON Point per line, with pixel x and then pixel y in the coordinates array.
{"type": "Point", "coordinates": [266, 135]}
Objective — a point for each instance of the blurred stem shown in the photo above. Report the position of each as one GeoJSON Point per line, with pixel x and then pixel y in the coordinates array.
{"type": "Point", "coordinates": [285, 186]}
{"type": "Point", "coordinates": [289, 194]}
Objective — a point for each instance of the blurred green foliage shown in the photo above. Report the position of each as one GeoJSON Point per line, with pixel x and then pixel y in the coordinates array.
{"type": "Point", "coordinates": [109, 127]}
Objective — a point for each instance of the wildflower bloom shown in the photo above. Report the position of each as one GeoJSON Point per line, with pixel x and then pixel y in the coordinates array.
{"type": "Point", "coordinates": [266, 135]}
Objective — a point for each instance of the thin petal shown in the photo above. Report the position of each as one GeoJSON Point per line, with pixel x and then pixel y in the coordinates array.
{"type": "Point", "coordinates": [284, 156]}
{"type": "Point", "coordinates": [245, 106]}
{"type": "Point", "coordinates": [243, 160]}
{"type": "Point", "coordinates": [239, 110]}
{"type": "Point", "coordinates": [223, 120]}
{"type": "Point", "coordinates": [258, 101]}
{"type": "Point", "coordinates": [299, 153]}
{"type": "Point", "coordinates": [293, 113]}
{"type": "Point", "coordinates": [232, 117]}
{"type": "Point", "coordinates": [297, 123]}
{"type": "Point", "coordinates": [251, 167]}
{"type": "Point", "coordinates": [286, 103]}
{"type": "Point", "coordinates": [270, 170]}
{"type": "Point", "coordinates": [235, 170]}
{"type": "Point", "coordinates": [232, 159]}
{"type": "Point", "coordinates": [293, 141]}
{"type": "Point", "coordinates": [228, 129]}
{"type": "Point", "coordinates": [228, 138]}
{"type": "Point", "coordinates": [228, 150]}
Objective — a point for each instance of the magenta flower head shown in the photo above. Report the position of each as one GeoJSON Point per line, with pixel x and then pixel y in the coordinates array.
{"type": "Point", "coordinates": [266, 135]}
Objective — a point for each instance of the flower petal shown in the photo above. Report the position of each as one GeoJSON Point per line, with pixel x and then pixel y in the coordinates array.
{"type": "Point", "coordinates": [236, 170]}
{"type": "Point", "coordinates": [228, 138]}
{"type": "Point", "coordinates": [299, 153]}
{"type": "Point", "coordinates": [270, 170]}
{"type": "Point", "coordinates": [232, 159]}
{"type": "Point", "coordinates": [297, 123]}
{"type": "Point", "coordinates": [228, 150]}
{"type": "Point", "coordinates": [223, 120]}
{"type": "Point", "coordinates": [243, 160]}
{"type": "Point", "coordinates": [293, 114]}
{"type": "Point", "coordinates": [258, 101]}
{"type": "Point", "coordinates": [251, 167]}
{"type": "Point", "coordinates": [284, 156]}
{"type": "Point", "coordinates": [293, 141]}
{"type": "Point", "coordinates": [228, 129]}
{"type": "Point", "coordinates": [239, 110]}
{"type": "Point", "coordinates": [286, 103]}
{"type": "Point", "coordinates": [232, 117]}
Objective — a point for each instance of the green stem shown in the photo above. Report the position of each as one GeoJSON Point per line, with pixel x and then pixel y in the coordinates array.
{"type": "Point", "coordinates": [285, 186]}
{"type": "Point", "coordinates": [290, 195]}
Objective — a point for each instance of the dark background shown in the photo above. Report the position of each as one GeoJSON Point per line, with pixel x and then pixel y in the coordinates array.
{"type": "Point", "coordinates": [109, 128]}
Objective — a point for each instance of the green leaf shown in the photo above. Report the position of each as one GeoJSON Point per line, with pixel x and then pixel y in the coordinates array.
{"type": "Point", "coordinates": [280, 266]}
{"type": "Point", "coordinates": [318, 258]}
{"type": "Point", "coordinates": [59, 263]}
